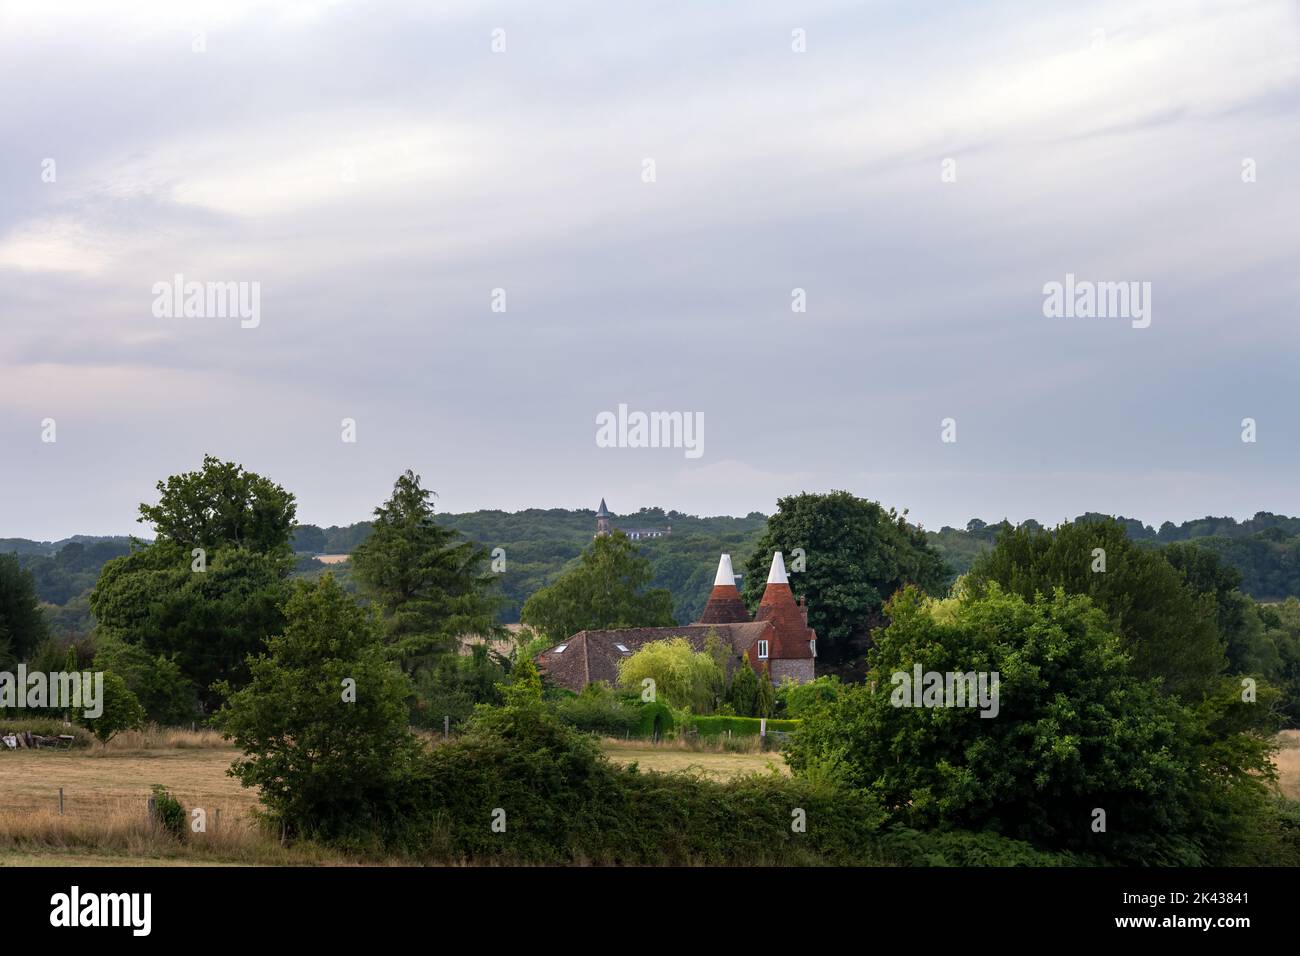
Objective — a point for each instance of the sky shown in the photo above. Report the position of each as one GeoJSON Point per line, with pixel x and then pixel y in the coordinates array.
{"type": "Point", "coordinates": [475, 228]}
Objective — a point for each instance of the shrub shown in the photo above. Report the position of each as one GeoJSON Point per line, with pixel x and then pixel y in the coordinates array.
{"type": "Point", "coordinates": [739, 726]}
{"type": "Point", "coordinates": [168, 812]}
{"type": "Point", "coordinates": [1075, 730]}
{"type": "Point", "coordinates": [557, 799]}
{"type": "Point", "coordinates": [330, 764]}
{"type": "Point", "coordinates": [794, 700]}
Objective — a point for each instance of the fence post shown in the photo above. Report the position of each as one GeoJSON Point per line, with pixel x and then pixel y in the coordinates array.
{"type": "Point", "coordinates": [60, 801]}
{"type": "Point", "coordinates": [153, 812]}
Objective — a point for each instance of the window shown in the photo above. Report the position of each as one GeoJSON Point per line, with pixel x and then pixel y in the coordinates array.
{"type": "Point", "coordinates": [762, 650]}
{"type": "Point", "coordinates": [560, 649]}
{"type": "Point", "coordinates": [812, 646]}
{"type": "Point", "coordinates": [622, 647]}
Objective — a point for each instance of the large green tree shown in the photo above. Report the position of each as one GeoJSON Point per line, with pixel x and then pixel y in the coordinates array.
{"type": "Point", "coordinates": [207, 622]}
{"type": "Point", "coordinates": [608, 588]}
{"type": "Point", "coordinates": [430, 584]}
{"type": "Point", "coordinates": [22, 623]}
{"type": "Point", "coordinates": [322, 722]}
{"type": "Point", "coordinates": [856, 554]}
{"type": "Point", "coordinates": [1169, 631]}
{"type": "Point", "coordinates": [1074, 731]}
{"type": "Point", "coordinates": [205, 612]}
{"type": "Point", "coordinates": [221, 505]}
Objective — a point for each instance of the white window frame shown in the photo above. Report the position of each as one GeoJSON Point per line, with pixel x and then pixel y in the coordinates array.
{"type": "Point", "coordinates": [812, 645]}
{"type": "Point", "coordinates": [762, 650]}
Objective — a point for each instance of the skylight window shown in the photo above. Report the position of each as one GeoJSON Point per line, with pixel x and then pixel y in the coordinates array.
{"type": "Point", "coordinates": [622, 647]}
{"type": "Point", "coordinates": [560, 649]}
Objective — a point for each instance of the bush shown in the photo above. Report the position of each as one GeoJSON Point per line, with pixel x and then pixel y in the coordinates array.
{"type": "Point", "coordinates": [168, 812]}
{"type": "Point", "coordinates": [601, 710]}
{"type": "Point", "coordinates": [739, 726]}
{"type": "Point", "coordinates": [795, 700]}
{"type": "Point", "coordinates": [556, 799]}
{"type": "Point", "coordinates": [323, 726]}
{"type": "Point", "coordinates": [907, 847]}
{"type": "Point", "coordinates": [1075, 730]}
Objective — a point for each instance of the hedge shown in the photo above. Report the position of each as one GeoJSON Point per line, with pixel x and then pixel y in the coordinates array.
{"type": "Point", "coordinates": [739, 726]}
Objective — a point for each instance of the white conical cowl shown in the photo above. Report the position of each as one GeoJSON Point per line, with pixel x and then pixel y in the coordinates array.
{"type": "Point", "coordinates": [725, 575]}
{"type": "Point", "coordinates": [777, 574]}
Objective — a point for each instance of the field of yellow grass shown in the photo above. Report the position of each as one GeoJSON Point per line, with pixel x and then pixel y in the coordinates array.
{"type": "Point", "coordinates": [106, 792]}
{"type": "Point", "coordinates": [1288, 763]}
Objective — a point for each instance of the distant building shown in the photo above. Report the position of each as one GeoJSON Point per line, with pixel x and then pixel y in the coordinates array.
{"type": "Point", "coordinates": [636, 534]}
{"type": "Point", "coordinates": [777, 639]}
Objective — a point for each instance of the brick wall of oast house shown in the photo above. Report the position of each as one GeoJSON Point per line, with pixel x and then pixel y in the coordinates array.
{"type": "Point", "coordinates": [802, 671]}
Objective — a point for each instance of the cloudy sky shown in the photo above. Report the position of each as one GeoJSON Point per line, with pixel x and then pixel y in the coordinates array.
{"type": "Point", "coordinates": [920, 169]}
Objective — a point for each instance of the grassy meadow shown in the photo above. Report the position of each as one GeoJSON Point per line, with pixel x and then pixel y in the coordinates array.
{"type": "Point", "coordinates": [106, 790]}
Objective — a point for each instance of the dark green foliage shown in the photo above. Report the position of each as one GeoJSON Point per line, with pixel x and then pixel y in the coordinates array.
{"type": "Point", "coordinates": [454, 684]}
{"type": "Point", "coordinates": [542, 544]}
{"type": "Point", "coordinates": [739, 726]}
{"type": "Point", "coordinates": [1075, 731]}
{"type": "Point", "coordinates": [22, 625]}
{"type": "Point", "coordinates": [906, 847]}
{"type": "Point", "coordinates": [168, 812]}
{"type": "Point", "coordinates": [857, 553]}
{"type": "Point", "coordinates": [430, 584]}
{"type": "Point", "coordinates": [1265, 549]}
{"type": "Point", "coordinates": [206, 622]}
{"type": "Point", "coordinates": [564, 802]}
{"type": "Point", "coordinates": [327, 768]}
{"type": "Point", "coordinates": [167, 696]}
{"type": "Point", "coordinates": [121, 711]}
{"type": "Point", "coordinates": [609, 588]}
{"type": "Point", "coordinates": [796, 700]}
{"type": "Point", "coordinates": [601, 710]}
{"type": "Point", "coordinates": [742, 695]}
{"type": "Point", "coordinates": [1168, 630]}
{"type": "Point", "coordinates": [222, 506]}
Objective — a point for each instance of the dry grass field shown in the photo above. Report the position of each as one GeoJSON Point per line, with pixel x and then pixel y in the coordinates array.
{"type": "Point", "coordinates": [106, 791]}
{"type": "Point", "coordinates": [1288, 763]}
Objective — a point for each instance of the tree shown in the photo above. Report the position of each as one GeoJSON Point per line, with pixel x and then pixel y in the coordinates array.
{"type": "Point", "coordinates": [120, 711]}
{"type": "Point", "coordinates": [207, 622]}
{"type": "Point", "coordinates": [1074, 731]}
{"type": "Point", "coordinates": [1168, 631]}
{"type": "Point", "coordinates": [857, 555]}
{"type": "Point", "coordinates": [322, 721]}
{"type": "Point", "coordinates": [682, 676]}
{"type": "Point", "coordinates": [222, 505]}
{"type": "Point", "coordinates": [22, 623]}
{"type": "Point", "coordinates": [607, 589]}
{"type": "Point", "coordinates": [765, 702]}
{"type": "Point", "coordinates": [742, 695]}
{"type": "Point", "coordinates": [430, 584]}
{"type": "Point", "coordinates": [167, 696]}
